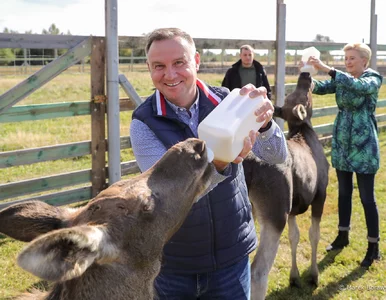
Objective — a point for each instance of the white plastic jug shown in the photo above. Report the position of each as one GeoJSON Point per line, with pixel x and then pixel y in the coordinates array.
{"type": "Point", "coordinates": [311, 51]}
{"type": "Point", "coordinates": [226, 127]}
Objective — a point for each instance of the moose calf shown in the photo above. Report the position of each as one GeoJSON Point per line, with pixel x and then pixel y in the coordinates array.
{"type": "Point", "coordinates": [280, 192]}
{"type": "Point", "coordinates": [111, 248]}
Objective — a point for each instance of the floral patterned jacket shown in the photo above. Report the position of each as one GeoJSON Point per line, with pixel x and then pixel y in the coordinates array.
{"type": "Point", "coordinates": [355, 146]}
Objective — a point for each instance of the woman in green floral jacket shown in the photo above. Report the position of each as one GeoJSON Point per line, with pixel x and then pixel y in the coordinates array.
{"type": "Point", "coordinates": [355, 147]}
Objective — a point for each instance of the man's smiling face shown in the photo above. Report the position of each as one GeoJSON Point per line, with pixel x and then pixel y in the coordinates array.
{"type": "Point", "coordinates": [173, 66]}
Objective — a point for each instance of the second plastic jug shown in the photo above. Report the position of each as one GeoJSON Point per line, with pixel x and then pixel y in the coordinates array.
{"type": "Point", "coordinates": [226, 127]}
{"type": "Point", "coordinates": [311, 51]}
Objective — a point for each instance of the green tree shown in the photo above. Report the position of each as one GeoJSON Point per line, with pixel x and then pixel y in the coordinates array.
{"type": "Point", "coordinates": [6, 56]}
{"type": "Point", "coordinates": [323, 38]}
{"type": "Point", "coordinates": [7, 30]}
{"type": "Point", "coordinates": [325, 55]}
{"type": "Point", "coordinates": [52, 30]}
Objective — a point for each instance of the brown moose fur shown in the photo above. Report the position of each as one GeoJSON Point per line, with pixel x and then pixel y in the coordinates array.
{"type": "Point", "coordinates": [110, 248]}
{"type": "Point", "coordinates": [280, 192]}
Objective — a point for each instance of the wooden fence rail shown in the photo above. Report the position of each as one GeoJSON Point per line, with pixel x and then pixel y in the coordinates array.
{"type": "Point", "coordinates": [77, 184]}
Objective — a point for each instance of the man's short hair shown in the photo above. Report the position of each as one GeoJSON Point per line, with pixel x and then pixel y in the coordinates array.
{"type": "Point", "coordinates": [246, 47]}
{"type": "Point", "coordinates": [161, 34]}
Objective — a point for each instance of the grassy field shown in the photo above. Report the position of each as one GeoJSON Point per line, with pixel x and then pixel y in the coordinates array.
{"type": "Point", "coordinates": [340, 274]}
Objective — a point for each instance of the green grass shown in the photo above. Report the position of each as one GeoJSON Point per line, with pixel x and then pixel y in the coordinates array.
{"type": "Point", "coordinates": [340, 277]}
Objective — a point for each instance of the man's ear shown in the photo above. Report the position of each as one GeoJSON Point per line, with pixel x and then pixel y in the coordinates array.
{"type": "Point", "coordinates": [148, 65]}
{"type": "Point", "coordinates": [197, 59]}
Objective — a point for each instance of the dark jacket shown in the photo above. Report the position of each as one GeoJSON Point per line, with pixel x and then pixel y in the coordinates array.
{"type": "Point", "coordinates": [219, 230]}
{"type": "Point", "coordinates": [232, 77]}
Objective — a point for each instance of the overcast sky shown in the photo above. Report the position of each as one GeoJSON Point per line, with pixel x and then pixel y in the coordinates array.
{"type": "Point", "coordinates": [342, 20]}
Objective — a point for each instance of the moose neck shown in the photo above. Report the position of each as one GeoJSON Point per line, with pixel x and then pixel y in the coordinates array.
{"type": "Point", "coordinates": [305, 134]}
{"type": "Point", "coordinates": [304, 129]}
{"type": "Point", "coordinates": [302, 85]}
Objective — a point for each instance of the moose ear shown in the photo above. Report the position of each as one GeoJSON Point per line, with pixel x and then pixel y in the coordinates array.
{"type": "Point", "coordinates": [66, 253]}
{"type": "Point", "coordinates": [300, 112]}
{"type": "Point", "coordinates": [26, 221]}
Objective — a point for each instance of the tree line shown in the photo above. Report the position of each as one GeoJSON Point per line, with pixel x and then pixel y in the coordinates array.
{"type": "Point", "coordinates": [43, 56]}
{"type": "Point", "coordinates": [9, 56]}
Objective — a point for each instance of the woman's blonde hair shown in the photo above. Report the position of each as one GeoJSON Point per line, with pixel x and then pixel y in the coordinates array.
{"type": "Point", "coordinates": [363, 50]}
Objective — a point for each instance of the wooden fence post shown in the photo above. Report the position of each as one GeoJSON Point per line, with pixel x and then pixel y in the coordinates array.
{"type": "Point", "coordinates": [98, 116]}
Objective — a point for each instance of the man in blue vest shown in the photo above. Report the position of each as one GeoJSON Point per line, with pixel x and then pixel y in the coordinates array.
{"type": "Point", "coordinates": [208, 256]}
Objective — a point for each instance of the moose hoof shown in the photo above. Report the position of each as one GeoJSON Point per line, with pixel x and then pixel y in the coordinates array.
{"type": "Point", "coordinates": [295, 282]}
{"type": "Point", "coordinates": [313, 280]}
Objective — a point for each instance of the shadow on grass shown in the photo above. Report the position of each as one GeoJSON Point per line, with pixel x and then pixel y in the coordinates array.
{"type": "Point", "coordinates": [337, 287]}
{"type": "Point", "coordinates": [327, 260]}
{"type": "Point", "coordinates": [41, 286]}
{"type": "Point", "coordinates": [306, 290]}
{"type": "Point", "coordinates": [34, 291]}
{"type": "Point", "coordinates": [4, 240]}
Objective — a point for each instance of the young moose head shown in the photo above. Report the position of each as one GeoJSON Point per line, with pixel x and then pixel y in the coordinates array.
{"type": "Point", "coordinates": [297, 107]}
{"type": "Point", "coordinates": [111, 247]}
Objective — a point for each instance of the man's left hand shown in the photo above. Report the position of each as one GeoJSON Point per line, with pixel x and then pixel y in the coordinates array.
{"type": "Point", "coordinates": [265, 112]}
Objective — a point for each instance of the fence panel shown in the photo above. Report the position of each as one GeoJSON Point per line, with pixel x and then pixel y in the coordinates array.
{"type": "Point", "coordinates": [30, 156]}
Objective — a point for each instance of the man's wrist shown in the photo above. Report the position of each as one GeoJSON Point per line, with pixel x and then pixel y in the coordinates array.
{"type": "Point", "coordinates": [267, 127]}
{"type": "Point", "coordinates": [220, 165]}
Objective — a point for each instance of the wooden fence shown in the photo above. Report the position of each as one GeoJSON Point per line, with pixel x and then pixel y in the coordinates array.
{"type": "Point", "coordinates": [66, 188]}
{"type": "Point", "coordinates": [67, 180]}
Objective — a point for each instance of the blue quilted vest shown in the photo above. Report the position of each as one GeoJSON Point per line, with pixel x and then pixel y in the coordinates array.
{"type": "Point", "coordinates": [219, 230]}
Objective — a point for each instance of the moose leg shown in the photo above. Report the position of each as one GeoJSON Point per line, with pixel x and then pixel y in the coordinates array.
{"type": "Point", "coordinates": [294, 235]}
{"type": "Point", "coordinates": [263, 260]}
{"type": "Point", "coordinates": [314, 235]}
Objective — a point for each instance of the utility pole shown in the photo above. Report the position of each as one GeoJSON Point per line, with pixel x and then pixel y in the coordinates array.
{"type": "Point", "coordinates": [113, 112]}
{"type": "Point", "coordinates": [373, 36]}
{"type": "Point", "coordinates": [280, 57]}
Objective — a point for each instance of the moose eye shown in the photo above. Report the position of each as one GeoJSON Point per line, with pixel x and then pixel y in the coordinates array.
{"type": "Point", "coordinates": [94, 208]}
{"type": "Point", "coordinates": [121, 206]}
